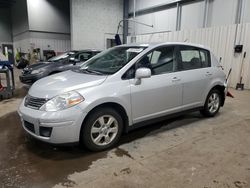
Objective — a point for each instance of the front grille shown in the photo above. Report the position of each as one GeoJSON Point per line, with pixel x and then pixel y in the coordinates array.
{"type": "Point", "coordinates": [33, 102]}
{"type": "Point", "coordinates": [29, 126]}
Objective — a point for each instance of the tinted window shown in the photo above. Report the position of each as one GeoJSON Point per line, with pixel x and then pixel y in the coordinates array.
{"type": "Point", "coordinates": [160, 60]}
{"type": "Point", "coordinates": [130, 73]}
{"type": "Point", "coordinates": [205, 58]}
{"type": "Point", "coordinates": [192, 58]}
{"type": "Point", "coordinates": [84, 56]}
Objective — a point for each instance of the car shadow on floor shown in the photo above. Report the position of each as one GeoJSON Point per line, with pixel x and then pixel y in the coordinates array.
{"type": "Point", "coordinates": [64, 152]}
{"type": "Point", "coordinates": [48, 164]}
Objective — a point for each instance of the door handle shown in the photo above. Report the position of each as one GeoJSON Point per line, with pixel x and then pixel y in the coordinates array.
{"type": "Point", "coordinates": [175, 79]}
{"type": "Point", "coordinates": [209, 74]}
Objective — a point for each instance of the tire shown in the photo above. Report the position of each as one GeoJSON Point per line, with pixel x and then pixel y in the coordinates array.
{"type": "Point", "coordinates": [102, 129]}
{"type": "Point", "coordinates": [212, 104]}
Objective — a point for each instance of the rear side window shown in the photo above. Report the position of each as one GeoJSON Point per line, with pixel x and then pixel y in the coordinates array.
{"type": "Point", "coordinates": [205, 58]}
{"type": "Point", "coordinates": [192, 58]}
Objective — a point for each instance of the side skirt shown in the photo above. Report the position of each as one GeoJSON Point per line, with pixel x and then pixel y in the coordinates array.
{"type": "Point", "coordinates": [159, 119]}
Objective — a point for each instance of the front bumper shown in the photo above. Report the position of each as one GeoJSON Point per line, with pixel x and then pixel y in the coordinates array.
{"type": "Point", "coordinates": [30, 78]}
{"type": "Point", "coordinates": [59, 127]}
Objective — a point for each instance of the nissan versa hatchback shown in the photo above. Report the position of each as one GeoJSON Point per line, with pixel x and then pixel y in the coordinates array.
{"type": "Point", "coordinates": [120, 89]}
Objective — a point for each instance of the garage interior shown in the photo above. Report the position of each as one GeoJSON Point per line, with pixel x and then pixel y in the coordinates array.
{"type": "Point", "coordinates": [184, 151]}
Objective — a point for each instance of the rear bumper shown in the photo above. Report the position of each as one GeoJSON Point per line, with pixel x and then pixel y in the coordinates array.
{"type": "Point", "coordinates": [225, 94]}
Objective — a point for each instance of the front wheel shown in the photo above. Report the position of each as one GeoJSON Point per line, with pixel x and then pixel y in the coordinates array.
{"type": "Point", "coordinates": [212, 104]}
{"type": "Point", "coordinates": [102, 129]}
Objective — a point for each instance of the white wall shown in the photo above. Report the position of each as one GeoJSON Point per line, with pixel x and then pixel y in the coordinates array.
{"type": "Point", "coordinates": [141, 4]}
{"type": "Point", "coordinates": [49, 16]}
{"type": "Point", "coordinates": [92, 21]}
{"type": "Point", "coordinates": [51, 44]}
{"type": "Point", "coordinates": [161, 21]}
{"type": "Point", "coordinates": [220, 13]}
{"type": "Point", "coordinates": [5, 25]}
{"type": "Point", "coordinates": [246, 11]}
{"type": "Point", "coordinates": [19, 17]}
{"type": "Point", "coordinates": [22, 44]}
{"type": "Point", "coordinates": [20, 25]}
{"type": "Point", "coordinates": [192, 15]}
{"type": "Point", "coordinates": [220, 40]}
{"type": "Point", "coordinates": [43, 24]}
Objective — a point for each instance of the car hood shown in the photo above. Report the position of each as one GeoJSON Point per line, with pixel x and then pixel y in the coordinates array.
{"type": "Point", "coordinates": [53, 85]}
{"type": "Point", "coordinates": [39, 65]}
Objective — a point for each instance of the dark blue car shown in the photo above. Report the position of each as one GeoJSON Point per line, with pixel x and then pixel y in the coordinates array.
{"type": "Point", "coordinates": [66, 61]}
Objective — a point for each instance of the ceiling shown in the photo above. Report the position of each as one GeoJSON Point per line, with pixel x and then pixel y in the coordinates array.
{"type": "Point", "coordinates": [6, 3]}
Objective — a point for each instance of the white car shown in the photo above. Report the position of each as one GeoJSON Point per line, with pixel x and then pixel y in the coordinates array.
{"type": "Point", "coordinates": [122, 88]}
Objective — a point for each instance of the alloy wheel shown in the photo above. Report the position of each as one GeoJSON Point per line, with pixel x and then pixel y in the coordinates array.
{"type": "Point", "coordinates": [213, 102]}
{"type": "Point", "coordinates": [104, 130]}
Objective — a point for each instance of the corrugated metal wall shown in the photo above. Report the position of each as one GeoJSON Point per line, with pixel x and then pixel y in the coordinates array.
{"type": "Point", "coordinates": [221, 42]}
{"type": "Point", "coordinates": [54, 44]}
{"type": "Point", "coordinates": [44, 44]}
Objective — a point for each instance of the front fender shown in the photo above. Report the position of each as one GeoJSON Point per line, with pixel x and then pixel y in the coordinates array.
{"type": "Point", "coordinates": [90, 106]}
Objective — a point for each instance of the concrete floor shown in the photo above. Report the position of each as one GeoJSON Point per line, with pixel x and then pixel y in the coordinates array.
{"type": "Point", "coordinates": [188, 151]}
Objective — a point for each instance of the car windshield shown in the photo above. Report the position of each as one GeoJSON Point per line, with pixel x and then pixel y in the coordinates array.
{"type": "Point", "coordinates": [110, 61]}
{"type": "Point", "coordinates": [61, 56]}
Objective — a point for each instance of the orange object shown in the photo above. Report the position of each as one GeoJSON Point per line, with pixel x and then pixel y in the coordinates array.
{"type": "Point", "coordinates": [1, 87]}
{"type": "Point", "coordinates": [230, 94]}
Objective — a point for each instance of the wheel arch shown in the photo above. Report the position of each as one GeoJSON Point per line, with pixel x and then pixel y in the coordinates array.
{"type": "Point", "coordinates": [116, 106]}
{"type": "Point", "coordinates": [221, 89]}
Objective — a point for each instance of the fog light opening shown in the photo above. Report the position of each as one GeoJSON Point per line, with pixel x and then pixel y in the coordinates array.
{"type": "Point", "coordinates": [45, 131]}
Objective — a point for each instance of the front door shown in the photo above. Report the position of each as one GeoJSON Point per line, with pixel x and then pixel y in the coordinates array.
{"type": "Point", "coordinates": [160, 94]}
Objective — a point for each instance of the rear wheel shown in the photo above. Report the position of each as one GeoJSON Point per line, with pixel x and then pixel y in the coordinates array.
{"type": "Point", "coordinates": [213, 103]}
{"type": "Point", "coordinates": [102, 129]}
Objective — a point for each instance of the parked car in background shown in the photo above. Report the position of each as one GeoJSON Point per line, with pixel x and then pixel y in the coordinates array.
{"type": "Point", "coordinates": [122, 88]}
{"type": "Point", "coordinates": [66, 61]}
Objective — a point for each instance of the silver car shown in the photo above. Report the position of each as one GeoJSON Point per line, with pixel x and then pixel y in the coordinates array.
{"type": "Point", "coordinates": [122, 88]}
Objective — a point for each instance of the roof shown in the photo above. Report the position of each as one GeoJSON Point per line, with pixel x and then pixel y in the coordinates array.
{"type": "Point", "coordinates": [165, 43]}
{"type": "Point", "coordinates": [90, 50]}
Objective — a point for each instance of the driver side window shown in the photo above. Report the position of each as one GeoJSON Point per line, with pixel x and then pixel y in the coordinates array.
{"type": "Point", "coordinates": [160, 60]}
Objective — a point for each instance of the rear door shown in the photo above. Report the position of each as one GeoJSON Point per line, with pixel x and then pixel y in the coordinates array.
{"type": "Point", "coordinates": [160, 94]}
{"type": "Point", "coordinates": [194, 65]}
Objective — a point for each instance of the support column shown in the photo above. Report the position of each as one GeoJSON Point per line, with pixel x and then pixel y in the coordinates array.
{"type": "Point", "coordinates": [239, 12]}
{"type": "Point", "coordinates": [178, 17]}
{"type": "Point", "coordinates": [205, 17]}
{"type": "Point", "coordinates": [125, 21]}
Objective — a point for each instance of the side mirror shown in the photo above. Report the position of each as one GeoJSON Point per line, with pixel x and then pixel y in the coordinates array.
{"type": "Point", "coordinates": [142, 73]}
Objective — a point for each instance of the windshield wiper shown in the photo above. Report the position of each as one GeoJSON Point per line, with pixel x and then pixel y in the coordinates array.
{"type": "Point", "coordinates": [92, 71]}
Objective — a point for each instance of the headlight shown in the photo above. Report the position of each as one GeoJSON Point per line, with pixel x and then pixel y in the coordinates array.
{"type": "Point", "coordinates": [63, 101]}
{"type": "Point", "coordinates": [36, 71]}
